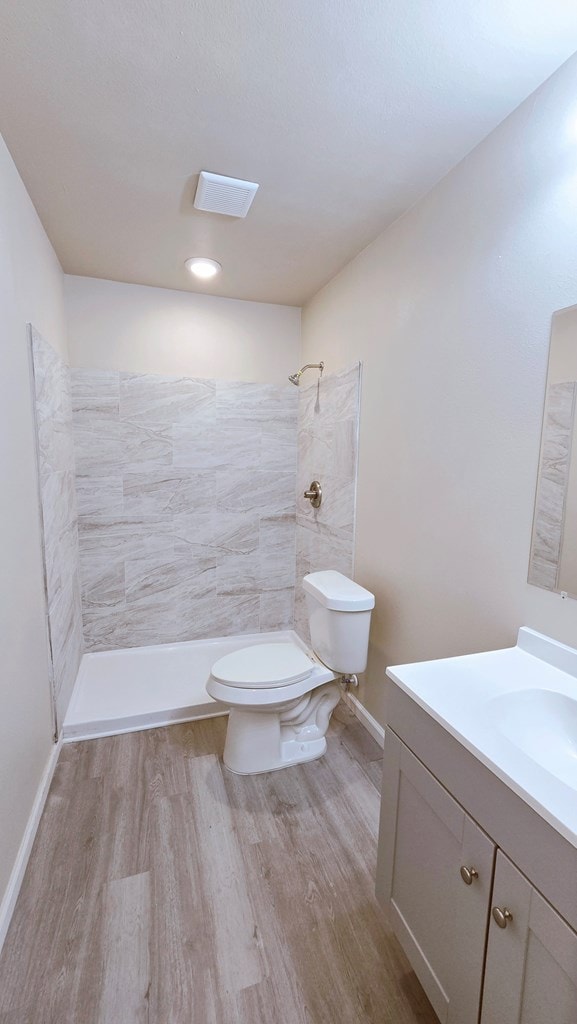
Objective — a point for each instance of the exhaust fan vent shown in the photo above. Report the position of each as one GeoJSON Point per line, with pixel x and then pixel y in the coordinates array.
{"type": "Point", "coordinates": [216, 193]}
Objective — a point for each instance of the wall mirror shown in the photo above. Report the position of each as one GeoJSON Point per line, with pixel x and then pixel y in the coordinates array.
{"type": "Point", "coordinates": [553, 560]}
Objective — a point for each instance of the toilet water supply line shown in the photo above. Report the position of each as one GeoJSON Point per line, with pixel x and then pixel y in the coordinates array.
{"type": "Point", "coordinates": [348, 681]}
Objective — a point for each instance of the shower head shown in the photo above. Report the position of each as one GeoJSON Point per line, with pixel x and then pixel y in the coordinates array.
{"type": "Point", "coordinates": [295, 378]}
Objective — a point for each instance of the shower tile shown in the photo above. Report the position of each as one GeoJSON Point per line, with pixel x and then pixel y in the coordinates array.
{"type": "Point", "coordinates": [102, 583]}
{"type": "Point", "coordinates": [327, 451]}
{"type": "Point", "coordinates": [309, 404]}
{"type": "Point", "coordinates": [254, 402]}
{"type": "Point", "coordinates": [51, 383]}
{"type": "Point", "coordinates": [55, 447]}
{"type": "Point", "coordinates": [145, 447]}
{"type": "Point", "coordinates": [89, 411]}
{"type": "Point", "coordinates": [277, 533]}
{"type": "Point", "coordinates": [163, 603]}
{"type": "Point", "coordinates": [58, 501]}
{"type": "Point", "coordinates": [274, 573]}
{"type": "Point", "coordinates": [277, 553]}
{"type": "Point", "coordinates": [194, 534]}
{"type": "Point", "coordinates": [334, 397]}
{"type": "Point", "coordinates": [278, 445]}
{"type": "Point", "coordinates": [324, 550]}
{"type": "Point", "coordinates": [108, 629]}
{"type": "Point", "coordinates": [301, 619]}
{"type": "Point", "coordinates": [99, 495]}
{"type": "Point", "coordinates": [337, 510]}
{"type": "Point", "coordinates": [176, 477]}
{"type": "Point", "coordinates": [173, 490]}
{"type": "Point", "coordinates": [276, 609]}
{"type": "Point", "coordinates": [238, 614]}
{"type": "Point", "coordinates": [56, 475]}
{"type": "Point", "coordinates": [98, 451]}
{"type": "Point", "coordinates": [132, 536]}
{"type": "Point", "coordinates": [221, 532]}
{"type": "Point", "coordinates": [197, 448]}
{"type": "Point", "coordinates": [61, 559]}
{"type": "Point", "coordinates": [236, 574]}
{"type": "Point", "coordinates": [156, 581]}
{"type": "Point", "coordinates": [242, 444]}
{"type": "Point", "coordinates": [237, 532]}
{"type": "Point", "coordinates": [147, 399]}
{"type": "Point", "coordinates": [221, 446]}
{"type": "Point", "coordinates": [265, 492]}
{"type": "Point", "coordinates": [66, 641]}
{"type": "Point", "coordinates": [106, 441]}
{"type": "Point", "coordinates": [94, 383]}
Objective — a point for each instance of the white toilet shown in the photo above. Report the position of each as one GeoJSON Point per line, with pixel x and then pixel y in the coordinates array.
{"type": "Point", "coordinates": [281, 696]}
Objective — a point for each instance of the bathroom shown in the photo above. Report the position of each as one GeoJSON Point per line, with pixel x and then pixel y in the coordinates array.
{"type": "Point", "coordinates": [414, 230]}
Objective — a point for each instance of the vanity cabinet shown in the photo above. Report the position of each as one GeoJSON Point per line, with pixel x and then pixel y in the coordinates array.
{"type": "Point", "coordinates": [442, 880]}
{"type": "Point", "coordinates": [531, 970]}
{"type": "Point", "coordinates": [426, 838]}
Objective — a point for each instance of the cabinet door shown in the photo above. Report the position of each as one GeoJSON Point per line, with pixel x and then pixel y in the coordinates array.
{"type": "Point", "coordinates": [441, 922]}
{"type": "Point", "coordinates": [531, 972]}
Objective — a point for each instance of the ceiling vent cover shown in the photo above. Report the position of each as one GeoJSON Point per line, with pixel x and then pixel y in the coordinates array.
{"type": "Point", "coordinates": [216, 193]}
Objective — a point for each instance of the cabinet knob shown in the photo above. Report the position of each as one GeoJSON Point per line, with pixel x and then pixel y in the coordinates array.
{"type": "Point", "coordinates": [468, 874]}
{"type": "Point", "coordinates": [502, 917]}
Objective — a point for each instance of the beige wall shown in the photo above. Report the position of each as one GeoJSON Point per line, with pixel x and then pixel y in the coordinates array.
{"type": "Point", "coordinates": [450, 310]}
{"type": "Point", "coordinates": [136, 329]}
{"type": "Point", "coordinates": [30, 290]}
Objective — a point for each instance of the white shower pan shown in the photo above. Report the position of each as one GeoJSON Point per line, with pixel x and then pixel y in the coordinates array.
{"type": "Point", "coordinates": [143, 687]}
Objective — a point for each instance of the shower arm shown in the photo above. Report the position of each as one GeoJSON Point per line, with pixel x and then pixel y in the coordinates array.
{"type": "Point", "coordinates": [295, 377]}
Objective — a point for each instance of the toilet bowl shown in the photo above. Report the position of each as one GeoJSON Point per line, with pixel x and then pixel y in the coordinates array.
{"type": "Point", "coordinates": [281, 696]}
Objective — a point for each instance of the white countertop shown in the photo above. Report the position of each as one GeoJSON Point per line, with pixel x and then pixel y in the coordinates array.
{"type": "Point", "coordinates": [516, 711]}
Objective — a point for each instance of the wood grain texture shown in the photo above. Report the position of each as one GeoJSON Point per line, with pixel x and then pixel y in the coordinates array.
{"type": "Point", "coordinates": [126, 910]}
{"type": "Point", "coordinates": [163, 889]}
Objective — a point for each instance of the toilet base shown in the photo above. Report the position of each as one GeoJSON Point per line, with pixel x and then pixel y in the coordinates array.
{"type": "Point", "coordinates": [289, 756]}
{"type": "Point", "coordinates": [265, 740]}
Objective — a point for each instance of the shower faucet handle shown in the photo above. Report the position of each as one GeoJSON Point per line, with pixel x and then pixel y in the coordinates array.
{"type": "Point", "coordinates": [314, 494]}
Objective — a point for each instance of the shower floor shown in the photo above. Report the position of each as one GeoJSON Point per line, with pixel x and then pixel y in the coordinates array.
{"type": "Point", "coordinates": [143, 687]}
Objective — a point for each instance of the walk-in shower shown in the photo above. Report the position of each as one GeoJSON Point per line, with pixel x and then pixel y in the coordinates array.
{"type": "Point", "coordinates": [295, 378]}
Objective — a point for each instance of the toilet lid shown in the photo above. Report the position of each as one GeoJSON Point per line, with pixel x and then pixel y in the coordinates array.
{"type": "Point", "coordinates": [263, 665]}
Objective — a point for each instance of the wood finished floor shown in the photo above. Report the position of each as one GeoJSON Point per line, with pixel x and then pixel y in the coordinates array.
{"type": "Point", "coordinates": [162, 889]}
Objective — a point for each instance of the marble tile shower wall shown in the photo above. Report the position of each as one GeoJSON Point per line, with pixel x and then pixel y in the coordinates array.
{"type": "Point", "coordinates": [55, 451]}
{"type": "Point", "coordinates": [328, 424]}
{"type": "Point", "coordinates": [186, 502]}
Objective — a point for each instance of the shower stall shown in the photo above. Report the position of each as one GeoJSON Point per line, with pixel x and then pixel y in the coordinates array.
{"type": "Point", "coordinates": [175, 528]}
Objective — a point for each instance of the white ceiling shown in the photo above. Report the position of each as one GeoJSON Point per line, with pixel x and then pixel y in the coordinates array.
{"type": "Point", "coordinates": [345, 112]}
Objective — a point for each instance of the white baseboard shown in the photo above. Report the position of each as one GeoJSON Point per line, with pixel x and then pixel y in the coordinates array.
{"type": "Point", "coordinates": [18, 871]}
{"type": "Point", "coordinates": [365, 718]}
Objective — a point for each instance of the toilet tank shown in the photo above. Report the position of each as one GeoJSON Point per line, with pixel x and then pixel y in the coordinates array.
{"type": "Point", "coordinates": [339, 612]}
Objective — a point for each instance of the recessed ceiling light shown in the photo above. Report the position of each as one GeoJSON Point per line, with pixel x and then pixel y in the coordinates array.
{"type": "Point", "coordinates": [202, 267]}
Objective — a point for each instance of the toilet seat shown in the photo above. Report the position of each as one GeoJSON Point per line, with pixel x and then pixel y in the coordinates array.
{"type": "Point", "coordinates": [263, 666]}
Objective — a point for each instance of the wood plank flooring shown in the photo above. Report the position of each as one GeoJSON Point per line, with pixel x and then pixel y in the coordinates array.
{"type": "Point", "coordinates": [162, 889]}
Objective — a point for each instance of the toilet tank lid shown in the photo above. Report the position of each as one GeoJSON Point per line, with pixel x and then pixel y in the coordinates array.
{"type": "Point", "coordinates": [333, 590]}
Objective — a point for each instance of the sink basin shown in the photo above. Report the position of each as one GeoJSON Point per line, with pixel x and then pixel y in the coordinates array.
{"type": "Point", "coordinates": [543, 724]}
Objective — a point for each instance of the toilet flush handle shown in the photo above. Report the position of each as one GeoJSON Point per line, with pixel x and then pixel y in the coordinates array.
{"type": "Point", "coordinates": [314, 494]}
